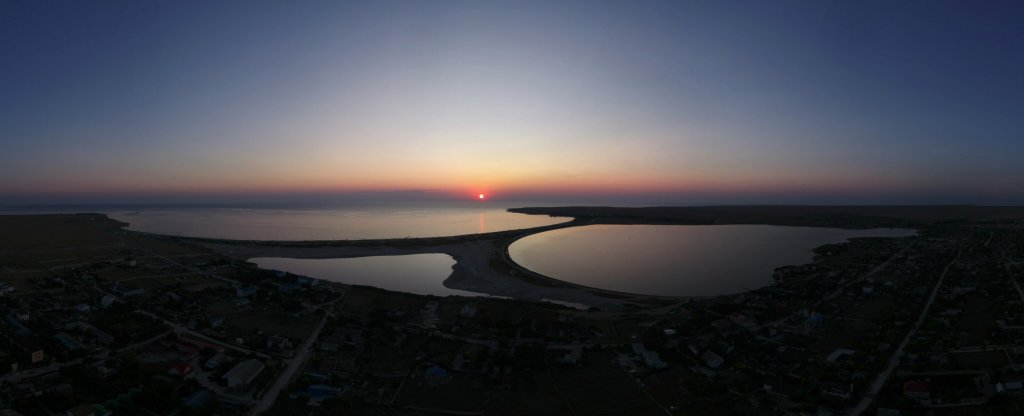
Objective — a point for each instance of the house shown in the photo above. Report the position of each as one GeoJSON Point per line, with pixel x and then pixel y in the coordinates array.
{"type": "Point", "coordinates": [199, 399]}
{"type": "Point", "coordinates": [839, 355]}
{"type": "Point", "coordinates": [837, 391]}
{"type": "Point", "coordinates": [128, 290]}
{"type": "Point", "coordinates": [468, 311]}
{"type": "Point", "coordinates": [917, 390]}
{"type": "Point", "coordinates": [428, 316]}
{"type": "Point", "coordinates": [183, 370]}
{"type": "Point", "coordinates": [327, 346]}
{"type": "Point", "coordinates": [722, 325]}
{"type": "Point", "coordinates": [742, 320]}
{"type": "Point", "coordinates": [65, 339]}
{"type": "Point", "coordinates": [289, 287]}
{"type": "Point", "coordinates": [1010, 387]}
{"type": "Point", "coordinates": [191, 345]}
{"type": "Point", "coordinates": [99, 335]}
{"type": "Point", "coordinates": [107, 300]}
{"type": "Point", "coordinates": [319, 392]}
{"type": "Point", "coordinates": [712, 360]}
{"type": "Point", "coordinates": [245, 291]}
{"type": "Point", "coordinates": [565, 353]}
{"type": "Point", "coordinates": [243, 373]}
{"type": "Point", "coordinates": [815, 320]}
{"type": "Point", "coordinates": [82, 410]}
{"type": "Point", "coordinates": [308, 281]}
{"type": "Point", "coordinates": [651, 358]}
{"type": "Point", "coordinates": [213, 362]}
{"type": "Point", "coordinates": [779, 388]}
{"type": "Point", "coordinates": [20, 329]}
{"type": "Point", "coordinates": [104, 372]}
{"type": "Point", "coordinates": [435, 375]}
{"type": "Point", "coordinates": [280, 344]}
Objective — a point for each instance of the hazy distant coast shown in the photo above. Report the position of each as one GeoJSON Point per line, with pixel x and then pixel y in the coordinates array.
{"type": "Point", "coordinates": [850, 216]}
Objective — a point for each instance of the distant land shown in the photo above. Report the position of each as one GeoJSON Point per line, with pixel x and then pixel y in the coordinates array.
{"type": "Point", "coordinates": [841, 216]}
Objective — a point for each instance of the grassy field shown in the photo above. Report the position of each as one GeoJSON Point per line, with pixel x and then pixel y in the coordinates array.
{"type": "Point", "coordinates": [273, 322]}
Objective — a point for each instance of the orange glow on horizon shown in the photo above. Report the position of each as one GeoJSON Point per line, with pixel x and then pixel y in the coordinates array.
{"type": "Point", "coordinates": [453, 183]}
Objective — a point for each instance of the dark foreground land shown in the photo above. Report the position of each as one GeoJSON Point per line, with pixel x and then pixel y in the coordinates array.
{"type": "Point", "coordinates": [98, 320]}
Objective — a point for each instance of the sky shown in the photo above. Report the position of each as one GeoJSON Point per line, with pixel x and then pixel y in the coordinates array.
{"type": "Point", "coordinates": [677, 102]}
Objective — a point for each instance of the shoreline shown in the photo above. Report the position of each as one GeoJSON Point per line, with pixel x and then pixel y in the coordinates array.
{"type": "Point", "coordinates": [473, 271]}
{"type": "Point", "coordinates": [483, 264]}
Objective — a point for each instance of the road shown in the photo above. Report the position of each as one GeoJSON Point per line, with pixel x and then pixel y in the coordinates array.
{"type": "Point", "coordinates": [286, 375]}
{"type": "Point", "coordinates": [894, 360]}
{"type": "Point", "coordinates": [53, 367]}
{"type": "Point", "coordinates": [181, 329]}
{"type": "Point", "coordinates": [838, 291]}
{"type": "Point", "coordinates": [1007, 262]}
{"type": "Point", "coordinates": [21, 375]}
{"type": "Point", "coordinates": [192, 269]}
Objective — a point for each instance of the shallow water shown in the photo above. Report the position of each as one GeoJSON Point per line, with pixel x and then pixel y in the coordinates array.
{"type": "Point", "coordinates": [415, 273]}
{"type": "Point", "coordinates": [676, 260]}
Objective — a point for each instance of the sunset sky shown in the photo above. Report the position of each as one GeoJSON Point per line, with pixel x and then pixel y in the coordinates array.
{"type": "Point", "coordinates": [701, 102]}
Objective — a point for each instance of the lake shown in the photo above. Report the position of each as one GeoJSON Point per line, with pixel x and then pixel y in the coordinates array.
{"type": "Point", "coordinates": [677, 260]}
{"type": "Point", "coordinates": [415, 273]}
{"type": "Point", "coordinates": [328, 223]}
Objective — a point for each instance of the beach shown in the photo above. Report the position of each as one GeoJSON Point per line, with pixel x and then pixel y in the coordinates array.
{"type": "Point", "coordinates": [473, 271]}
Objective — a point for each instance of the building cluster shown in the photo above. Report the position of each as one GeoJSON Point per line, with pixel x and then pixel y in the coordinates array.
{"type": "Point", "coordinates": [873, 325]}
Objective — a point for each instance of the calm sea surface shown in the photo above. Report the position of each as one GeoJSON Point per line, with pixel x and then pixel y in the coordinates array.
{"type": "Point", "coordinates": [414, 273]}
{"type": "Point", "coordinates": [676, 260]}
{"type": "Point", "coordinates": [328, 223]}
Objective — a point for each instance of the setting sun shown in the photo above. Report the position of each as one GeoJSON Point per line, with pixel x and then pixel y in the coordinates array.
{"type": "Point", "coordinates": [481, 196]}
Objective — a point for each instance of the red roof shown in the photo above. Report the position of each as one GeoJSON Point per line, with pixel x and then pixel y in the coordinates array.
{"type": "Point", "coordinates": [183, 368]}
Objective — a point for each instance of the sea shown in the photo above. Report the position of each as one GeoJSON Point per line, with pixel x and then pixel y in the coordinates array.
{"type": "Point", "coordinates": [311, 222]}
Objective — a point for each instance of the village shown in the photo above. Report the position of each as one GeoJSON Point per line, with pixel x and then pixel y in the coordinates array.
{"type": "Point", "coordinates": [99, 321]}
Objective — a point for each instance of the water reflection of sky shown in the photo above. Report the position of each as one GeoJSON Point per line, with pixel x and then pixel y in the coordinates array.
{"type": "Point", "coordinates": [416, 273]}
{"type": "Point", "coordinates": [676, 260]}
{"type": "Point", "coordinates": [328, 224]}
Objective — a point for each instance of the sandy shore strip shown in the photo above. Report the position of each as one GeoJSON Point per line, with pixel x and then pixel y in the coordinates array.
{"type": "Point", "coordinates": [472, 270]}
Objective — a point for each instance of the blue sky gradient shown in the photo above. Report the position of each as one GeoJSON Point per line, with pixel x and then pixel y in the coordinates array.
{"type": "Point", "coordinates": [689, 102]}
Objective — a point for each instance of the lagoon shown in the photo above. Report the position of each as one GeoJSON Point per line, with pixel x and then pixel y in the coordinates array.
{"type": "Point", "coordinates": [677, 260]}
{"type": "Point", "coordinates": [422, 274]}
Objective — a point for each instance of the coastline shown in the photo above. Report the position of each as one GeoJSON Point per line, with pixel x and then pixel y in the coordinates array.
{"type": "Point", "coordinates": [835, 216]}
{"type": "Point", "coordinates": [474, 270]}
{"type": "Point", "coordinates": [483, 264]}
